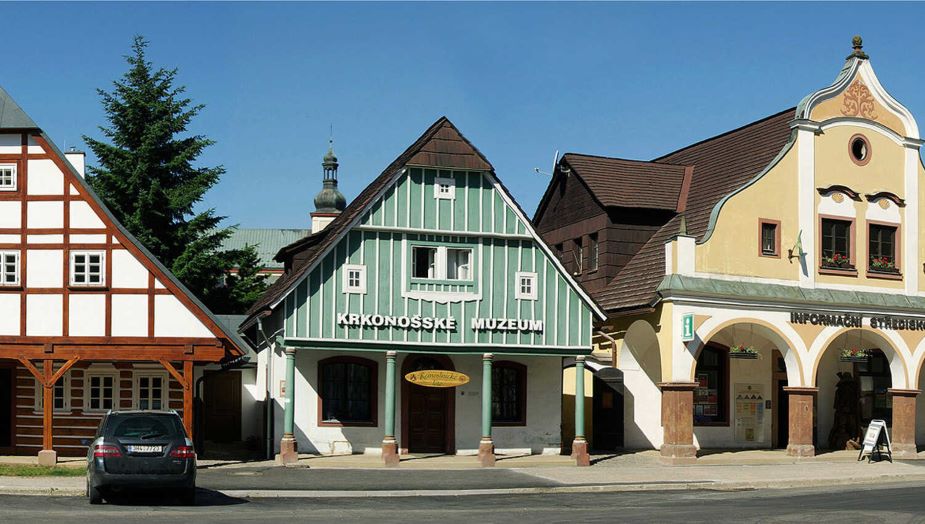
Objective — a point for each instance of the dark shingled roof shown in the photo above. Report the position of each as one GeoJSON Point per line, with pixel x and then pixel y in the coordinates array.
{"type": "Point", "coordinates": [11, 115]}
{"type": "Point", "coordinates": [616, 182]}
{"type": "Point", "coordinates": [722, 165]}
{"type": "Point", "coordinates": [442, 145]}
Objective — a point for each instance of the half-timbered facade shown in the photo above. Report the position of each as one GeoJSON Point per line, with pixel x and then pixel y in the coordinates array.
{"type": "Point", "coordinates": [433, 269]}
{"type": "Point", "coordinates": [89, 320]}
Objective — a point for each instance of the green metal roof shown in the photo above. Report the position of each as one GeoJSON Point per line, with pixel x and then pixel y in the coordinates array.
{"type": "Point", "coordinates": [679, 285]}
{"type": "Point", "coordinates": [11, 115]}
{"type": "Point", "coordinates": [268, 242]}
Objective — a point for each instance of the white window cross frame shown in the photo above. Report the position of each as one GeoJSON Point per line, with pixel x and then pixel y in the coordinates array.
{"type": "Point", "coordinates": [525, 286]}
{"type": "Point", "coordinates": [86, 272]}
{"type": "Point", "coordinates": [445, 188]}
{"type": "Point", "coordinates": [144, 396]}
{"type": "Point", "coordinates": [61, 390]}
{"type": "Point", "coordinates": [8, 181]}
{"type": "Point", "coordinates": [441, 264]}
{"type": "Point", "coordinates": [9, 268]}
{"type": "Point", "coordinates": [89, 387]}
{"type": "Point", "coordinates": [354, 278]}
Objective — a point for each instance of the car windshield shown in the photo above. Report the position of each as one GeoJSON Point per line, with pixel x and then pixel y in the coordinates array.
{"type": "Point", "coordinates": [145, 426]}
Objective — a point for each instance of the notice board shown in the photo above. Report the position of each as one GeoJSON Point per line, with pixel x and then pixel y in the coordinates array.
{"type": "Point", "coordinates": [749, 413]}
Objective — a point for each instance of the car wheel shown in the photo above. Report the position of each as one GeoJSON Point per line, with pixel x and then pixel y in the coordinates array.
{"type": "Point", "coordinates": [188, 497]}
{"type": "Point", "coordinates": [93, 493]}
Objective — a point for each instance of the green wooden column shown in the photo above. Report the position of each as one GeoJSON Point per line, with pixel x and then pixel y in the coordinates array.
{"type": "Point", "coordinates": [390, 395]}
{"type": "Point", "coordinates": [289, 417]}
{"type": "Point", "coordinates": [486, 445]}
{"type": "Point", "coordinates": [579, 398]}
{"type": "Point", "coordinates": [389, 445]}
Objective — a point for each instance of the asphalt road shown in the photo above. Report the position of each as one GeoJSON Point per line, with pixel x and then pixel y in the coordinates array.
{"type": "Point", "coordinates": [893, 503]}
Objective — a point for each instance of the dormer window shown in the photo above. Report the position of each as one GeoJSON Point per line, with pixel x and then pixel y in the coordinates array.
{"type": "Point", "coordinates": [445, 188]}
{"type": "Point", "coordinates": [441, 263]}
{"type": "Point", "coordinates": [7, 177]}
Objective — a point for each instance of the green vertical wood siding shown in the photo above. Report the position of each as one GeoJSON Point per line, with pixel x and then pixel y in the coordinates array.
{"type": "Point", "coordinates": [407, 214]}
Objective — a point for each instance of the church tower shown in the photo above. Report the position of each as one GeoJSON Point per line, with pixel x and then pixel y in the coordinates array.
{"type": "Point", "coordinates": [329, 202]}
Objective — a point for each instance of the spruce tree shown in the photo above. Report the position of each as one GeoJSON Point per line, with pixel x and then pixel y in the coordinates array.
{"type": "Point", "coordinates": [146, 175]}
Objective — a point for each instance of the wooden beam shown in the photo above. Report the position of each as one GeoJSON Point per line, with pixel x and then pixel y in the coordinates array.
{"type": "Point", "coordinates": [188, 399]}
{"type": "Point", "coordinates": [60, 373]}
{"type": "Point", "coordinates": [176, 374]}
{"type": "Point", "coordinates": [128, 353]}
{"type": "Point", "coordinates": [32, 369]}
{"type": "Point", "coordinates": [48, 405]}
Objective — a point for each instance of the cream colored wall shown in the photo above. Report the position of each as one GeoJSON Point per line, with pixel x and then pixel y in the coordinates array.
{"type": "Point", "coordinates": [884, 172]}
{"type": "Point", "coordinates": [835, 108]}
{"type": "Point", "coordinates": [733, 249]}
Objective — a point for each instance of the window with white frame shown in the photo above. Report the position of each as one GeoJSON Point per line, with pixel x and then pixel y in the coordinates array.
{"type": "Point", "coordinates": [61, 394]}
{"type": "Point", "coordinates": [354, 278]}
{"type": "Point", "coordinates": [441, 263]}
{"type": "Point", "coordinates": [445, 188]}
{"type": "Point", "coordinates": [102, 392]}
{"type": "Point", "coordinates": [526, 286]}
{"type": "Point", "coordinates": [7, 177]}
{"type": "Point", "coordinates": [151, 391]}
{"type": "Point", "coordinates": [9, 268]}
{"type": "Point", "coordinates": [88, 268]}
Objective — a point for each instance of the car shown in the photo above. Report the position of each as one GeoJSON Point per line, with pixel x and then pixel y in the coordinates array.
{"type": "Point", "coordinates": [141, 450]}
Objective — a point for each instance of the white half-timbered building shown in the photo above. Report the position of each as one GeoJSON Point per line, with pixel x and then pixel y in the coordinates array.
{"type": "Point", "coordinates": [89, 319]}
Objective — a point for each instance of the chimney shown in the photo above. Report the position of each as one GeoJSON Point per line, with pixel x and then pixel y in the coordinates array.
{"type": "Point", "coordinates": [78, 159]}
{"type": "Point", "coordinates": [329, 202]}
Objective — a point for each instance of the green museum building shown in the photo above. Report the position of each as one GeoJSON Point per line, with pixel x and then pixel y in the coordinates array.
{"type": "Point", "coordinates": [427, 316]}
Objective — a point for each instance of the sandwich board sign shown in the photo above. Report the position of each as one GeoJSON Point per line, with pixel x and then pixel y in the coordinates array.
{"type": "Point", "coordinates": [875, 439]}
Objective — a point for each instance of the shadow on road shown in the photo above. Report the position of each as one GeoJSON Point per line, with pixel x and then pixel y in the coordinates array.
{"type": "Point", "coordinates": [204, 497]}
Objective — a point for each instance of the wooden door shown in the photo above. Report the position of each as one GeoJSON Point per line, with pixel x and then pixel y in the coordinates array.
{"type": "Point", "coordinates": [222, 406]}
{"type": "Point", "coordinates": [427, 427]}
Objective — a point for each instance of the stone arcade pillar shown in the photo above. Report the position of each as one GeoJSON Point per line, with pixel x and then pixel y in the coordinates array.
{"type": "Point", "coordinates": [389, 445]}
{"type": "Point", "coordinates": [287, 445]}
{"type": "Point", "coordinates": [800, 436]}
{"type": "Point", "coordinates": [486, 445]}
{"type": "Point", "coordinates": [903, 430]}
{"type": "Point", "coordinates": [678, 422]}
{"type": "Point", "coordinates": [580, 445]}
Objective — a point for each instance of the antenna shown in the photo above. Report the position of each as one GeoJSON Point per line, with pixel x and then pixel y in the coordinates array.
{"type": "Point", "coordinates": [555, 162]}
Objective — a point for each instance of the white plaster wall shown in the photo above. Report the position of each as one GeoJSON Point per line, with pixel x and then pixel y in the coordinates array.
{"type": "Point", "coordinates": [642, 402]}
{"type": "Point", "coordinates": [541, 435]}
{"type": "Point", "coordinates": [88, 239]}
{"type": "Point", "coordinates": [251, 417]}
{"type": "Point", "coordinates": [45, 239]}
{"type": "Point", "coordinates": [127, 271]}
{"type": "Point", "coordinates": [129, 315]}
{"type": "Point", "coordinates": [87, 315]}
{"type": "Point", "coordinates": [172, 319]}
{"type": "Point", "coordinates": [828, 206]}
{"type": "Point", "coordinates": [45, 178]}
{"type": "Point", "coordinates": [46, 215]}
{"type": "Point", "coordinates": [10, 214]}
{"type": "Point", "coordinates": [9, 320]}
{"type": "Point", "coordinates": [33, 147]}
{"type": "Point", "coordinates": [878, 214]}
{"type": "Point", "coordinates": [10, 144]}
{"type": "Point", "coordinates": [45, 268]}
{"type": "Point", "coordinates": [10, 239]}
{"type": "Point", "coordinates": [83, 216]}
{"type": "Point", "coordinates": [44, 315]}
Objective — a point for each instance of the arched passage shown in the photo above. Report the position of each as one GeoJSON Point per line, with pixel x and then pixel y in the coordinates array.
{"type": "Point", "coordinates": [854, 388]}
{"type": "Point", "coordinates": [740, 367]}
{"type": "Point", "coordinates": [640, 360]}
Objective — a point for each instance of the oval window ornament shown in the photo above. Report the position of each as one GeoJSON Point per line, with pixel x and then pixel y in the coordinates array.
{"type": "Point", "coordinates": [437, 378]}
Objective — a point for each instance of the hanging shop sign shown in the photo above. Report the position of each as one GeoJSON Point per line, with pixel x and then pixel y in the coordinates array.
{"type": "Point", "coordinates": [436, 378]}
{"type": "Point", "coordinates": [418, 322]}
{"type": "Point", "coordinates": [854, 320]}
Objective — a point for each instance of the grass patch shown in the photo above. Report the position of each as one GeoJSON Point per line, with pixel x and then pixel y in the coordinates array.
{"type": "Point", "coordinates": [29, 470]}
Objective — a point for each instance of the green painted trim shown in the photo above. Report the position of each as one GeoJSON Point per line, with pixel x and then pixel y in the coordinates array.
{"type": "Point", "coordinates": [289, 414]}
{"type": "Point", "coordinates": [390, 395]}
{"type": "Point", "coordinates": [368, 345]}
{"type": "Point", "coordinates": [579, 399]}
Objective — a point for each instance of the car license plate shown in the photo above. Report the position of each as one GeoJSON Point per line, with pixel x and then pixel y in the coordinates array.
{"type": "Point", "coordinates": [145, 449]}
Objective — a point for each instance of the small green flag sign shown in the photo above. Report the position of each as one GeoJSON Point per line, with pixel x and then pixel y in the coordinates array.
{"type": "Point", "coordinates": [687, 327]}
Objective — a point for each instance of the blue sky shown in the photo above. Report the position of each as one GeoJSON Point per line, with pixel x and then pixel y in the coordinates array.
{"type": "Point", "coordinates": [520, 80]}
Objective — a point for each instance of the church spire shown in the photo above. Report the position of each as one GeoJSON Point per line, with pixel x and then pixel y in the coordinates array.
{"type": "Point", "coordinates": [329, 202]}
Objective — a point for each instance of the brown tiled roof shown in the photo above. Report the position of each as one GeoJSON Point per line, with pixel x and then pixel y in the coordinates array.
{"type": "Point", "coordinates": [630, 183]}
{"type": "Point", "coordinates": [442, 145]}
{"type": "Point", "coordinates": [722, 164]}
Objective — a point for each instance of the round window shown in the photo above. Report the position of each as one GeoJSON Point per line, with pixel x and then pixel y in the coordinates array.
{"type": "Point", "coordinates": [860, 150]}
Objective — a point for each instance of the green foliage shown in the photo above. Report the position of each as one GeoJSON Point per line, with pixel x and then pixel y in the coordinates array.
{"type": "Point", "coordinates": [147, 177]}
{"type": "Point", "coordinates": [29, 470]}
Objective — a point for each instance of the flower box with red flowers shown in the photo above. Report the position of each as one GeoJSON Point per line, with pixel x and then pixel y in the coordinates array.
{"type": "Point", "coordinates": [883, 265]}
{"type": "Point", "coordinates": [837, 261]}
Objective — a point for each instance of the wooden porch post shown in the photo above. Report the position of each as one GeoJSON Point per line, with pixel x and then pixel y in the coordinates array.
{"type": "Point", "coordinates": [47, 456]}
{"type": "Point", "coordinates": [188, 397]}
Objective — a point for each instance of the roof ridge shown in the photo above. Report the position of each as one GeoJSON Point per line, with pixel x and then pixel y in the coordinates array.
{"type": "Point", "coordinates": [12, 116]}
{"type": "Point", "coordinates": [731, 131]}
{"type": "Point", "coordinates": [672, 164]}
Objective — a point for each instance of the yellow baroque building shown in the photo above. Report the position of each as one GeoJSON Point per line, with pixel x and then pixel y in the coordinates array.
{"type": "Point", "coordinates": [765, 288]}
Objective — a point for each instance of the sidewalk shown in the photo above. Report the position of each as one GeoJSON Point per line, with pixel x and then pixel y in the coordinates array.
{"type": "Point", "coordinates": [364, 476]}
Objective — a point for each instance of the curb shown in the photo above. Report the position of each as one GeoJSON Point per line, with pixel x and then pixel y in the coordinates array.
{"type": "Point", "coordinates": [710, 485]}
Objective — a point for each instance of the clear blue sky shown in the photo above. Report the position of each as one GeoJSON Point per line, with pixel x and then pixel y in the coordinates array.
{"type": "Point", "coordinates": [520, 80]}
